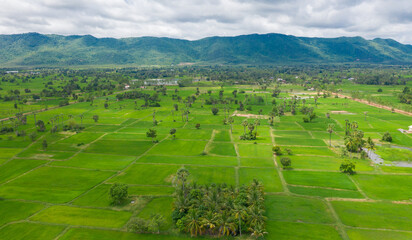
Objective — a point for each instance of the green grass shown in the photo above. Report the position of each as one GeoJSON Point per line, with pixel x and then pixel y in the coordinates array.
{"type": "Point", "coordinates": [147, 174]}
{"type": "Point", "coordinates": [17, 167]}
{"type": "Point", "coordinates": [394, 154]}
{"type": "Point", "coordinates": [288, 231]}
{"type": "Point", "coordinates": [257, 162]}
{"type": "Point", "coordinates": [363, 234]}
{"type": "Point", "coordinates": [255, 150]}
{"type": "Point", "coordinates": [159, 205]}
{"type": "Point", "coordinates": [321, 192]}
{"type": "Point", "coordinates": [225, 149]}
{"type": "Point", "coordinates": [320, 179]}
{"type": "Point", "coordinates": [297, 209]}
{"type": "Point", "coordinates": [222, 136]}
{"type": "Point", "coordinates": [178, 148]}
{"type": "Point", "coordinates": [97, 161]}
{"type": "Point", "coordinates": [375, 215]}
{"type": "Point", "coordinates": [13, 210]}
{"type": "Point", "coordinates": [150, 190]}
{"type": "Point", "coordinates": [195, 160]}
{"type": "Point", "coordinates": [26, 230]}
{"type": "Point", "coordinates": [51, 184]}
{"type": "Point", "coordinates": [385, 186]}
{"type": "Point", "coordinates": [269, 177]}
{"type": "Point", "coordinates": [319, 151]}
{"type": "Point", "coordinates": [207, 175]}
{"type": "Point", "coordinates": [299, 141]}
{"type": "Point", "coordinates": [97, 197]}
{"type": "Point", "coordinates": [120, 147]}
{"type": "Point", "coordinates": [9, 152]}
{"type": "Point", "coordinates": [83, 217]}
{"type": "Point", "coordinates": [94, 234]}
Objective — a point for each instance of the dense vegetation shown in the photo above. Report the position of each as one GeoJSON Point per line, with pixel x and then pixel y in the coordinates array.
{"type": "Point", "coordinates": [33, 49]}
{"type": "Point", "coordinates": [218, 209]}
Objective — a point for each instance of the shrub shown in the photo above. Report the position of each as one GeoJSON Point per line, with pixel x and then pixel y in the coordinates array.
{"type": "Point", "coordinates": [286, 162]}
{"type": "Point", "coordinates": [215, 111]}
{"type": "Point", "coordinates": [197, 126]}
{"type": "Point", "coordinates": [277, 150]}
{"type": "Point", "coordinates": [387, 137]}
{"type": "Point", "coordinates": [118, 193]}
{"type": "Point", "coordinates": [348, 167]}
{"type": "Point", "coordinates": [289, 151]}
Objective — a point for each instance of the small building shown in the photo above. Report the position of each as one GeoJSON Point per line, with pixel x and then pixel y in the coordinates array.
{"type": "Point", "coordinates": [126, 86]}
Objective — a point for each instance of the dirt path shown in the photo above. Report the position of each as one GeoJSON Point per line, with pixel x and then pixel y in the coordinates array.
{"type": "Point", "coordinates": [375, 104]}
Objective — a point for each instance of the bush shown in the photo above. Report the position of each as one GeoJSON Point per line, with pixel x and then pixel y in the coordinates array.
{"type": "Point", "coordinates": [289, 151]}
{"type": "Point", "coordinates": [197, 126]}
{"type": "Point", "coordinates": [305, 119]}
{"type": "Point", "coordinates": [215, 111]}
{"type": "Point", "coordinates": [286, 162]}
{"type": "Point", "coordinates": [277, 150]}
{"type": "Point", "coordinates": [348, 167]}
{"type": "Point", "coordinates": [118, 193]}
{"type": "Point", "coordinates": [387, 137]}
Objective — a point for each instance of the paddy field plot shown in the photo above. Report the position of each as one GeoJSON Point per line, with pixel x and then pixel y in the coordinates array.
{"type": "Point", "coordinates": [63, 191]}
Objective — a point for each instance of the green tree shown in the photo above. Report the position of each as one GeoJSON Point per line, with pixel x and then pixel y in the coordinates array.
{"type": "Point", "coordinates": [244, 124]}
{"type": "Point", "coordinates": [193, 223]}
{"type": "Point", "coordinates": [215, 110]}
{"type": "Point", "coordinates": [152, 134]}
{"type": "Point", "coordinates": [286, 162]}
{"type": "Point", "coordinates": [40, 126]}
{"type": "Point", "coordinates": [330, 131]}
{"type": "Point", "coordinates": [44, 144]}
{"type": "Point", "coordinates": [387, 137]}
{"type": "Point", "coordinates": [173, 132]}
{"type": "Point", "coordinates": [118, 193]}
{"type": "Point", "coordinates": [96, 118]}
{"type": "Point", "coordinates": [348, 167]}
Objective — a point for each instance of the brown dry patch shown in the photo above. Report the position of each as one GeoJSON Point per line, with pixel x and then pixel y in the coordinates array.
{"type": "Point", "coordinates": [341, 112]}
{"type": "Point", "coordinates": [43, 156]}
{"type": "Point", "coordinates": [402, 202]}
{"type": "Point", "coordinates": [235, 114]}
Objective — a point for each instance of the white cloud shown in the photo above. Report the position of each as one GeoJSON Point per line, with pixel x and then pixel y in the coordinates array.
{"type": "Point", "coordinates": [194, 19]}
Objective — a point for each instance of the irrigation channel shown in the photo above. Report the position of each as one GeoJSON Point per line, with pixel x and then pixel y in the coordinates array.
{"type": "Point", "coordinates": [378, 160]}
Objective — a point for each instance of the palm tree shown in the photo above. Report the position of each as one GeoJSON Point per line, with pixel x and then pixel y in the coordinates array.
{"type": "Point", "coordinates": [258, 231]}
{"type": "Point", "coordinates": [182, 175]}
{"type": "Point", "coordinates": [207, 221]}
{"type": "Point", "coordinates": [330, 131]}
{"type": "Point", "coordinates": [354, 125]}
{"type": "Point", "coordinates": [193, 223]}
{"type": "Point", "coordinates": [346, 126]}
{"type": "Point", "coordinates": [256, 216]}
{"type": "Point", "coordinates": [239, 213]}
{"type": "Point", "coordinates": [257, 123]}
{"type": "Point", "coordinates": [231, 120]}
{"type": "Point", "coordinates": [244, 124]}
{"type": "Point", "coordinates": [225, 224]}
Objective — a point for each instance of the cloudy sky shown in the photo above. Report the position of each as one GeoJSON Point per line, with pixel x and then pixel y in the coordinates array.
{"type": "Point", "coordinates": [194, 19]}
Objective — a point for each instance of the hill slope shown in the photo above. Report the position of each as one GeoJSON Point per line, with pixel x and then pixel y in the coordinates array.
{"type": "Point", "coordinates": [33, 49]}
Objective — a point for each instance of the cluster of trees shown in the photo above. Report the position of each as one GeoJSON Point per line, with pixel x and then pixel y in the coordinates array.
{"type": "Point", "coordinates": [250, 135]}
{"type": "Point", "coordinates": [218, 209]}
{"type": "Point", "coordinates": [150, 100]}
{"type": "Point", "coordinates": [405, 96]}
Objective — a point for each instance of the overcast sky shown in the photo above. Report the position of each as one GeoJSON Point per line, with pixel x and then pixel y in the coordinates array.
{"type": "Point", "coordinates": [195, 19]}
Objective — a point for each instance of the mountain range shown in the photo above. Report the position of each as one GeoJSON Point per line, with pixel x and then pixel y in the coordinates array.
{"type": "Point", "coordinates": [34, 49]}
